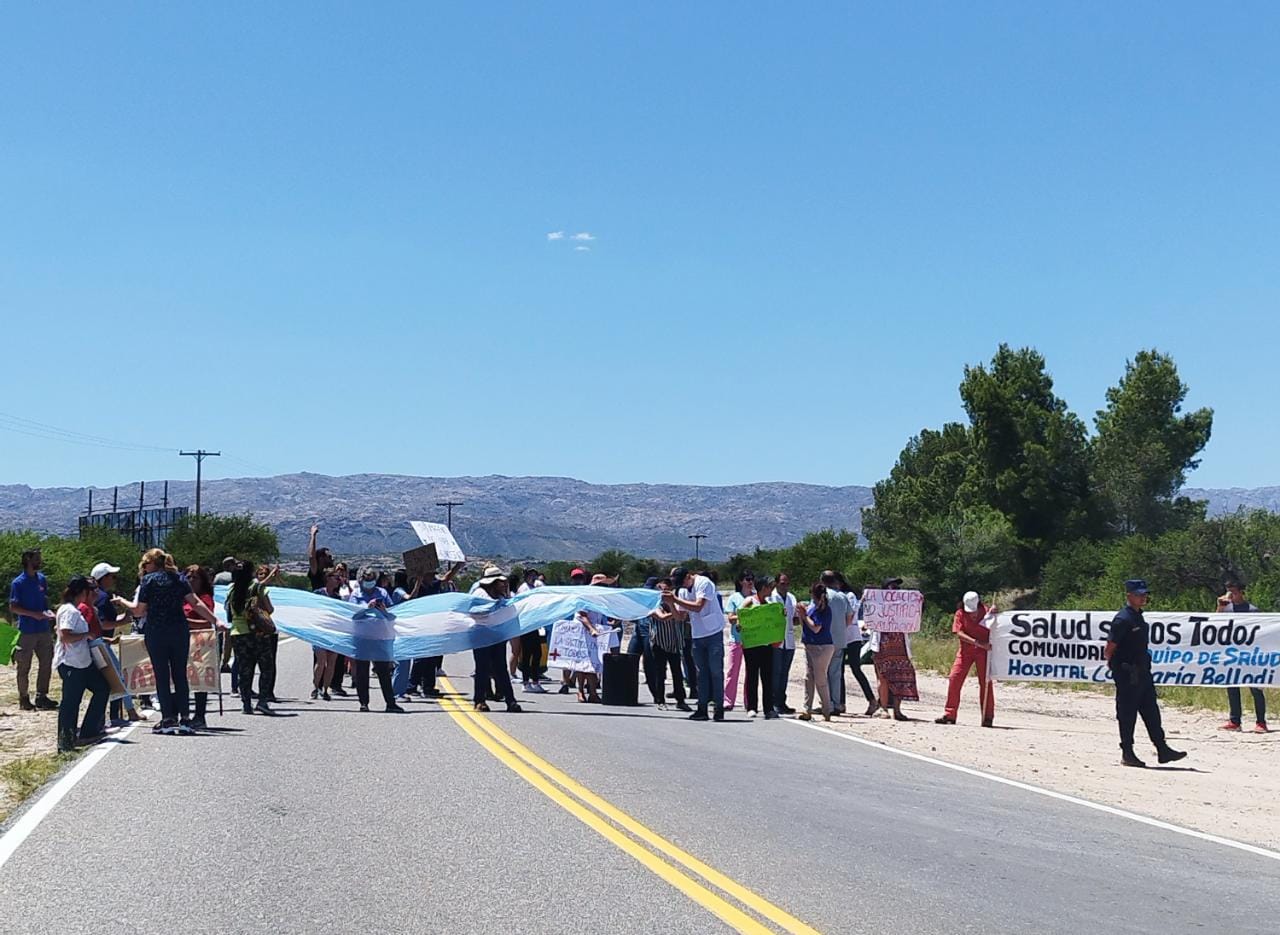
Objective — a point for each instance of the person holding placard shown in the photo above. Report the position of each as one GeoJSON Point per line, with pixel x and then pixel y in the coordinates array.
{"type": "Point", "coordinates": [1234, 602]}
{"type": "Point", "coordinates": [818, 650]}
{"type": "Point", "coordinates": [896, 674]}
{"type": "Point", "coordinates": [785, 654]}
{"type": "Point", "coordinates": [759, 660]}
{"type": "Point", "coordinates": [971, 629]}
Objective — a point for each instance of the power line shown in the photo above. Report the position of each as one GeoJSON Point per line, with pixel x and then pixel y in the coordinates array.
{"type": "Point", "coordinates": [199, 454]}
{"type": "Point", "coordinates": [31, 428]}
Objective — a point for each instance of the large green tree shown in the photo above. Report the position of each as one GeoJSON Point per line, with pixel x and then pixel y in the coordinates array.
{"type": "Point", "coordinates": [208, 539]}
{"type": "Point", "coordinates": [1031, 453]}
{"type": "Point", "coordinates": [1144, 447]}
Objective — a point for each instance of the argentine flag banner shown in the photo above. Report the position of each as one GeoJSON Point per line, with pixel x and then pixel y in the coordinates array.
{"type": "Point", "coordinates": [440, 624]}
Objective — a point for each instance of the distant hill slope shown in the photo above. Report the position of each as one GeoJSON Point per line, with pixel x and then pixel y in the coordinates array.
{"type": "Point", "coordinates": [516, 517]}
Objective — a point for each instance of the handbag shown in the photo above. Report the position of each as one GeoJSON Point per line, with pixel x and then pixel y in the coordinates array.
{"type": "Point", "coordinates": [260, 621]}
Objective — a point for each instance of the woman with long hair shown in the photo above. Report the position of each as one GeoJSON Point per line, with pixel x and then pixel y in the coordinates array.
{"type": "Point", "coordinates": [202, 588]}
{"type": "Point", "coordinates": [251, 610]}
{"type": "Point", "coordinates": [162, 596]}
{"type": "Point", "coordinates": [895, 672]}
{"type": "Point", "coordinates": [74, 663]}
{"type": "Point", "coordinates": [818, 650]}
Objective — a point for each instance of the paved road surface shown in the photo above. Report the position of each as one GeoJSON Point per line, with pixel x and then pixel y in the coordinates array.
{"type": "Point", "coordinates": [336, 821]}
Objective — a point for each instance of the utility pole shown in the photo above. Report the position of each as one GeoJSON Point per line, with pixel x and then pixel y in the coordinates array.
{"type": "Point", "coordinates": [697, 538]}
{"type": "Point", "coordinates": [449, 505]}
{"type": "Point", "coordinates": [199, 454]}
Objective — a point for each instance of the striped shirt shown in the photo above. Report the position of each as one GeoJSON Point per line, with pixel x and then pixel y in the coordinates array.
{"type": "Point", "coordinates": [667, 635]}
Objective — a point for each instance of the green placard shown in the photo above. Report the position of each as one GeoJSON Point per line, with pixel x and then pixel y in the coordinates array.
{"type": "Point", "coordinates": [8, 642]}
{"type": "Point", "coordinates": [762, 625]}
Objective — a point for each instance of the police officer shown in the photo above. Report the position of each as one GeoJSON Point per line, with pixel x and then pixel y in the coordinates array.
{"type": "Point", "coordinates": [1126, 654]}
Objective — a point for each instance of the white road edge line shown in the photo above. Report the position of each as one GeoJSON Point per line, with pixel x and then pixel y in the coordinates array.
{"type": "Point", "coordinates": [39, 809]}
{"type": "Point", "coordinates": [1061, 796]}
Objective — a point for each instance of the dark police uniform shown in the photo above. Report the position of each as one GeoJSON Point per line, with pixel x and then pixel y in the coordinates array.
{"type": "Point", "coordinates": [1131, 668]}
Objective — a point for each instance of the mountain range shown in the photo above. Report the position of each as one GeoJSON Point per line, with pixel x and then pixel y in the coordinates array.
{"type": "Point", "coordinates": [512, 517]}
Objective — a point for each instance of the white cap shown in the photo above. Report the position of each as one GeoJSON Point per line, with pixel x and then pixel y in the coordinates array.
{"type": "Point", "coordinates": [971, 601]}
{"type": "Point", "coordinates": [101, 570]}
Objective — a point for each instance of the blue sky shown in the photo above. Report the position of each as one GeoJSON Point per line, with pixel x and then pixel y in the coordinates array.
{"type": "Point", "coordinates": [316, 236]}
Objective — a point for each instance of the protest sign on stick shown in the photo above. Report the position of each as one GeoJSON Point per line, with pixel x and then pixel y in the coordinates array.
{"type": "Point", "coordinates": [892, 611]}
{"type": "Point", "coordinates": [421, 563]}
{"type": "Point", "coordinates": [203, 664]}
{"type": "Point", "coordinates": [438, 534]}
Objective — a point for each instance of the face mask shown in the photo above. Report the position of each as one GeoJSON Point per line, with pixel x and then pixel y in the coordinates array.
{"type": "Point", "coordinates": [367, 585]}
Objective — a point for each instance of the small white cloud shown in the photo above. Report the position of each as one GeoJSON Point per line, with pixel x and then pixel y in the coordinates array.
{"type": "Point", "coordinates": [584, 235]}
{"type": "Point", "coordinates": [555, 235]}
{"type": "Point", "coordinates": [583, 249]}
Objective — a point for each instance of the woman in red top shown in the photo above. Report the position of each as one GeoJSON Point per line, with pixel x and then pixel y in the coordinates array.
{"type": "Point", "coordinates": [202, 587]}
{"type": "Point", "coordinates": [975, 645]}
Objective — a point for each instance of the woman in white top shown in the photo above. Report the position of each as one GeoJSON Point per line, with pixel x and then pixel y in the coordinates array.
{"type": "Point", "coordinates": [72, 659]}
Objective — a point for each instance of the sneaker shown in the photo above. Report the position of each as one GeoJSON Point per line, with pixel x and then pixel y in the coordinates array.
{"type": "Point", "coordinates": [681, 706]}
{"type": "Point", "coordinates": [199, 723]}
{"type": "Point", "coordinates": [364, 707]}
{"type": "Point", "coordinates": [699, 715]}
{"type": "Point", "coordinates": [537, 689]}
{"type": "Point", "coordinates": [751, 715]}
{"type": "Point", "coordinates": [405, 698]}
{"type": "Point", "coordinates": [1261, 728]}
{"type": "Point", "coordinates": [136, 715]}
{"type": "Point", "coordinates": [185, 728]}
{"type": "Point", "coordinates": [341, 693]}
{"type": "Point", "coordinates": [771, 715]}
{"type": "Point", "coordinates": [45, 703]}
{"type": "Point", "coordinates": [662, 706]}
{"type": "Point", "coordinates": [394, 709]}
{"type": "Point", "coordinates": [315, 694]}
{"type": "Point", "coordinates": [326, 696]}
{"type": "Point", "coordinates": [25, 704]}
{"type": "Point", "coordinates": [1230, 725]}
{"type": "Point", "coordinates": [166, 726]}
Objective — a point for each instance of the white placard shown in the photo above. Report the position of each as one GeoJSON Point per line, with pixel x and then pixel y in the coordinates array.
{"type": "Point", "coordinates": [438, 534]}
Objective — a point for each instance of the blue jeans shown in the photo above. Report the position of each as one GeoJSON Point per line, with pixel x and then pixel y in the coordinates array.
{"type": "Point", "coordinates": [169, 648]}
{"type": "Point", "coordinates": [75, 682]}
{"type": "Point", "coordinates": [642, 645]}
{"type": "Point", "coordinates": [782, 659]}
{"type": "Point", "coordinates": [708, 657]}
{"type": "Point", "coordinates": [400, 681]}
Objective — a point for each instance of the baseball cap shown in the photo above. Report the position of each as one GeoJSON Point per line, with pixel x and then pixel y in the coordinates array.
{"type": "Point", "coordinates": [970, 601]}
{"type": "Point", "coordinates": [101, 570]}
{"type": "Point", "coordinates": [1136, 586]}
{"type": "Point", "coordinates": [576, 572]}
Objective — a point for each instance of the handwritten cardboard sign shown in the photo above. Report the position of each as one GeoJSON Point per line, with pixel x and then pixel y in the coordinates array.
{"type": "Point", "coordinates": [892, 611]}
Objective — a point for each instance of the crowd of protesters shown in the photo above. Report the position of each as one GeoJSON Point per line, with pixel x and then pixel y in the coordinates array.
{"type": "Point", "coordinates": [684, 637]}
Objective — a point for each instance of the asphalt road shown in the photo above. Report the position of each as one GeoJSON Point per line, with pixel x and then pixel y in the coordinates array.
{"type": "Point", "coordinates": [335, 821]}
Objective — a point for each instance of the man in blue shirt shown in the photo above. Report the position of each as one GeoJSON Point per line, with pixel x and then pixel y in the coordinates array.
{"type": "Point", "coordinates": [29, 604]}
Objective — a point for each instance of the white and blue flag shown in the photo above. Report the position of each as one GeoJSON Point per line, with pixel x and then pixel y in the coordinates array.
{"type": "Point", "coordinates": [440, 624]}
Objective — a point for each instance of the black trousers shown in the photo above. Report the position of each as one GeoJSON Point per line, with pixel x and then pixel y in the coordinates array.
{"type": "Point", "coordinates": [383, 670]}
{"type": "Point", "coordinates": [1133, 700]}
{"type": "Point", "coordinates": [759, 660]}
{"type": "Point", "coordinates": [339, 670]}
{"type": "Point", "coordinates": [853, 655]}
{"type": "Point", "coordinates": [530, 655]}
{"type": "Point", "coordinates": [256, 649]}
{"type": "Point", "coordinates": [658, 675]}
{"type": "Point", "coordinates": [690, 666]}
{"type": "Point", "coordinates": [491, 668]}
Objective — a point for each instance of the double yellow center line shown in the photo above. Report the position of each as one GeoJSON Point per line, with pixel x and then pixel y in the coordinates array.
{"type": "Point", "coordinates": [681, 869]}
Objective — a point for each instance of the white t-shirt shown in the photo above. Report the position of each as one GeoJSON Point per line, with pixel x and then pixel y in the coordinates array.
{"type": "Point", "coordinates": [788, 610]}
{"type": "Point", "coordinates": [711, 619]}
{"type": "Point", "coordinates": [75, 654]}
